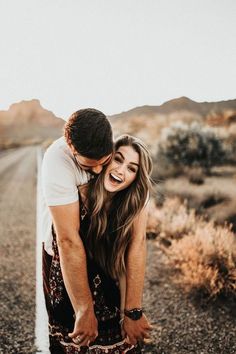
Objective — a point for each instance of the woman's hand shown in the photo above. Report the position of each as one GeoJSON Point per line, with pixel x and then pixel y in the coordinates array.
{"type": "Point", "coordinates": [138, 330]}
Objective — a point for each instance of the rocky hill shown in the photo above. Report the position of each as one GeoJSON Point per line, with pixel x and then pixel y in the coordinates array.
{"type": "Point", "coordinates": [146, 122]}
{"type": "Point", "coordinates": [181, 104]}
{"type": "Point", "coordinates": [27, 122]}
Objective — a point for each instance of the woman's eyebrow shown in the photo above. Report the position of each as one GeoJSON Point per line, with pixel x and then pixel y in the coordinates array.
{"type": "Point", "coordinates": [133, 163]}
{"type": "Point", "coordinates": [118, 152]}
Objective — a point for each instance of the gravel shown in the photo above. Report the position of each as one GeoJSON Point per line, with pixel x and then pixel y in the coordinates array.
{"type": "Point", "coordinates": [184, 324]}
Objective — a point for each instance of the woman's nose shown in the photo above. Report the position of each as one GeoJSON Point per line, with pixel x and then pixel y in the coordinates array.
{"type": "Point", "coordinates": [120, 169]}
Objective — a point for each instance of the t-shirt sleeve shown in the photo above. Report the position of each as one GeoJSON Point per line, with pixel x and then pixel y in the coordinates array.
{"type": "Point", "coordinates": [58, 179]}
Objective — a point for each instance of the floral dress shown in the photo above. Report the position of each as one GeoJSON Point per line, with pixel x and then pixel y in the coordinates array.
{"type": "Point", "coordinates": [106, 298]}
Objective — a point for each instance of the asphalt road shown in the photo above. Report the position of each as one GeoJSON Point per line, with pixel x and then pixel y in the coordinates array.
{"type": "Point", "coordinates": [17, 250]}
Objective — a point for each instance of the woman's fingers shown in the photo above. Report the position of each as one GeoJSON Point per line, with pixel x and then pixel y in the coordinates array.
{"type": "Point", "coordinates": [131, 340]}
{"type": "Point", "coordinates": [146, 335]}
{"type": "Point", "coordinates": [147, 340]}
{"type": "Point", "coordinates": [149, 327]}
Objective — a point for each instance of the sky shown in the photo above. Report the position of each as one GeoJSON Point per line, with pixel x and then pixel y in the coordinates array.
{"type": "Point", "coordinates": [115, 55]}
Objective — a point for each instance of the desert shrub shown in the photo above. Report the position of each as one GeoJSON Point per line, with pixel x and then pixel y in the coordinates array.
{"type": "Point", "coordinates": [163, 169]}
{"type": "Point", "coordinates": [195, 175]}
{"type": "Point", "coordinates": [172, 220]}
{"type": "Point", "coordinates": [191, 145]}
{"type": "Point", "coordinates": [229, 145]}
{"type": "Point", "coordinates": [212, 199]}
{"type": "Point", "coordinates": [203, 253]}
{"type": "Point", "coordinates": [206, 259]}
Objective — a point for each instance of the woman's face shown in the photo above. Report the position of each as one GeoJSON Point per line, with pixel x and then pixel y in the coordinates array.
{"type": "Point", "coordinates": [122, 170]}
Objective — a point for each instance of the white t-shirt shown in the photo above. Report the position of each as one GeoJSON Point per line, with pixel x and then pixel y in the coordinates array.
{"type": "Point", "coordinates": [61, 177]}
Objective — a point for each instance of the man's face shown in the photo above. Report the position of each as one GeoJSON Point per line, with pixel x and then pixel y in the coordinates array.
{"type": "Point", "coordinates": [92, 166]}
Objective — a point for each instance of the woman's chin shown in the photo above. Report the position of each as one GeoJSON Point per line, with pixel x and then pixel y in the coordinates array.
{"type": "Point", "coordinates": [110, 189]}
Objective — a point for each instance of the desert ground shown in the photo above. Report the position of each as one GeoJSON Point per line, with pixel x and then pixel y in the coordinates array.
{"type": "Point", "coordinates": [182, 324]}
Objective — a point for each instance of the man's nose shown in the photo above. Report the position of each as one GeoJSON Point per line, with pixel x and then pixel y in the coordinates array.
{"type": "Point", "coordinates": [97, 169]}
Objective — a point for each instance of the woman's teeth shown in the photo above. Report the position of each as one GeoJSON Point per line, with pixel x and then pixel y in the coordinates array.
{"type": "Point", "coordinates": [116, 179]}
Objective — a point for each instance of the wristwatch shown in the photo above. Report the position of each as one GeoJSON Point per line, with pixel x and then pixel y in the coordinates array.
{"type": "Point", "coordinates": [134, 314]}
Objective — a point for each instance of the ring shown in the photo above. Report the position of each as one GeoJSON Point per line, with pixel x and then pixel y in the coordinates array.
{"type": "Point", "coordinates": [77, 340]}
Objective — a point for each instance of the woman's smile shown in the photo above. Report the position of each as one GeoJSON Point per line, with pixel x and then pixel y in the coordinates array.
{"type": "Point", "coordinates": [122, 170]}
{"type": "Point", "coordinates": [114, 179]}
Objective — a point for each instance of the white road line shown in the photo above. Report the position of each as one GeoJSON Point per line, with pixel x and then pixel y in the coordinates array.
{"type": "Point", "coordinates": [41, 322]}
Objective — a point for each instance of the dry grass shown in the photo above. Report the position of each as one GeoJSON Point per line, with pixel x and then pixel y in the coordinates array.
{"type": "Point", "coordinates": [206, 259]}
{"type": "Point", "coordinates": [195, 175]}
{"type": "Point", "coordinates": [172, 220]}
{"type": "Point", "coordinates": [203, 253]}
{"type": "Point", "coordinates": [215, 198]}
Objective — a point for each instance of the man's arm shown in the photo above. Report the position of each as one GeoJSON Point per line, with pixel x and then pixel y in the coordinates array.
{"type": "Point", "coordinates": [66, 221]}
{"type": "Point", "coordinates": [135, 272]}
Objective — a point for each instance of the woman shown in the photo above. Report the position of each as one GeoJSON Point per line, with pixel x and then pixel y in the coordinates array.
{"type": "Point", "coordinates": [113, 212]}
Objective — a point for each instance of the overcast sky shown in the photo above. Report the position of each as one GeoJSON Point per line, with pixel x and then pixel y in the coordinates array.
{"type": "Point", "coordinates": [116, 54]}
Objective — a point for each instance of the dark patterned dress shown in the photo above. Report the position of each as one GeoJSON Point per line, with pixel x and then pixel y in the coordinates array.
{"type": "Point", "coordinates": [106, 299]}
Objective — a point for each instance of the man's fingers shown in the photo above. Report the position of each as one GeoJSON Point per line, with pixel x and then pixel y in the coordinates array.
{"type": "Point", "coordinates": [92, 338]}
{"type": "Point", "coordinates": [84, 341]}
{"type": "Point", "coordinates": [75, 334]}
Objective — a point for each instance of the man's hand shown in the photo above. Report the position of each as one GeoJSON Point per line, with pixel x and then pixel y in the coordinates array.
{"type": "Point", "coordinates": [136, 330]}
{"type": "Point", "coordinates": [85, 327]}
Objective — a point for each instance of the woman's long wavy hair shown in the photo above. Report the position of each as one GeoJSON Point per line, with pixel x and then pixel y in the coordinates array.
{"type": "Point", "coordinates": [110, 229]}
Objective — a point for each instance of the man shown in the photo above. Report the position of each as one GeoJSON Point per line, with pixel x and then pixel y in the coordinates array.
{"type": "Point", "coordinates": [69, 162]}
{"type": "Point", "coordinates": [86, 147]}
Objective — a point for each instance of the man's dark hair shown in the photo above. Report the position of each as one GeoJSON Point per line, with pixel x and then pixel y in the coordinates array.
{"type": "Point", "coordinates": [90, 133]}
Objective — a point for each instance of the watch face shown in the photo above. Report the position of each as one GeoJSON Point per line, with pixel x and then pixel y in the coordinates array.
{"type": "Point", "coordinates": [137, 315]}
{"type": "Point", "coordinates": [134, 314]}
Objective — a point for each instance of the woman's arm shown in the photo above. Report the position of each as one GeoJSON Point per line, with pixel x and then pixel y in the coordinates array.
{"type": "Point", "coordinates": [135, 272]}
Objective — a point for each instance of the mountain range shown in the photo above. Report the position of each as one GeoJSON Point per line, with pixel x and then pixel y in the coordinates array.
{"type": "Point", "coordinates": [27, 122]}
